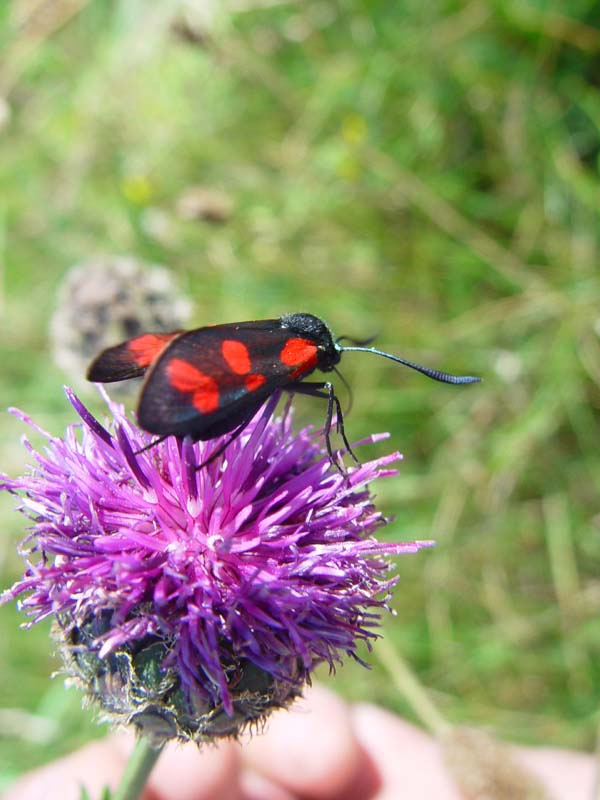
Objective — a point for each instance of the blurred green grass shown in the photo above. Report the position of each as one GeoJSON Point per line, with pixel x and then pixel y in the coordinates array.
{"type": "Point", "coordinates": [424, 171]}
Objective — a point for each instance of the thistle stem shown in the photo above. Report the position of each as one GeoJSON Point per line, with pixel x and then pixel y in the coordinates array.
{"type": "Point", "coordinates": [139, 766]}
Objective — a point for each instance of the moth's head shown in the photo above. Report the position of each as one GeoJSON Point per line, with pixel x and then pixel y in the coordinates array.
{"type": "Point", "coordinates": [307, 326]}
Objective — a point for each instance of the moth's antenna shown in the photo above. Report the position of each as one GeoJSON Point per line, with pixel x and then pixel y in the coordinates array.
{"type": "Point", "coordinates": [436, 374]}
{"type": "Point", "coordinates": [357, 342]}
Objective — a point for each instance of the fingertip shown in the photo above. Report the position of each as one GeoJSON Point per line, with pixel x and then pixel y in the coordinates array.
{"type": "Point", "coordinates": [197, 772]}
{"type": "Point", "coordinates": [404, 755]}
{"type": "Point", "coordinates": [310, 749]}
{"type": "Point", "coordinates": [566, 772]}
{"type": "Point", "coordinates": [257, 787]}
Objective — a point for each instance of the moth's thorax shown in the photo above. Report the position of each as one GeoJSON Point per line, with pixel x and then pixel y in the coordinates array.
{"type": "Point", "coordinates": [313, 329]}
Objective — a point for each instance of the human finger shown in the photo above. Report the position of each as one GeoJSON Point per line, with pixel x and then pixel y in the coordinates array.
{"type": "Point", "coordinates": [312, 751]}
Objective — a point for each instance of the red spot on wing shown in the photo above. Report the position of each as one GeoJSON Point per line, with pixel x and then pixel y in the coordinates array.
{"type": "Point", "coordinates": [185, 377]}
{"type": "Point", "coordinates": [236, 355]}
{"type": "Point", "coordinates": [254, 382]}
{"type": "Point", "coordinates": [300, 353]}
{"type": "Point", "coordinates": [144, 349]}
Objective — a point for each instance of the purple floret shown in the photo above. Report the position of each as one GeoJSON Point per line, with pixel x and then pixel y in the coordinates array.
{"type": "Point", "coordinates": [266, 554]}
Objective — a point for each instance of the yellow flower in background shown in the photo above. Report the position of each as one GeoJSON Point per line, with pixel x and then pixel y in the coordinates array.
{"type": "Point", "coordinates": [137, 189]}
{"type": "Point", "coordinates": [354, 129]}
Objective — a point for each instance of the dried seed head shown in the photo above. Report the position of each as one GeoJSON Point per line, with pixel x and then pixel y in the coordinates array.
{"type": "Point", "coordinates": [486, 769]}
{"type": "Point", "coordinates": [202, 203]}
{"type": "Point", "coordinates": [107, 300]}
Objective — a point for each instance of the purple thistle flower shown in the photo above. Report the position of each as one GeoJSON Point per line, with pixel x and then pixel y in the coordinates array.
{"type": "Point", "coordinates": [200, 598]}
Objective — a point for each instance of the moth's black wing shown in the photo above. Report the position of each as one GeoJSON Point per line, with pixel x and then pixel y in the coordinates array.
{"type": "Point", "coordinates": [129, 359]}
{"type": "Point", "coordinates": [208, 381]}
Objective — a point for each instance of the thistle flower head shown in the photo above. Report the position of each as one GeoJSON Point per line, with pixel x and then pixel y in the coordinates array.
{"type": "Point", "coordinates": [192, 602]}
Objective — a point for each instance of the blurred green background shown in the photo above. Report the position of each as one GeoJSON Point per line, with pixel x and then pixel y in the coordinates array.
{"type": "Point", "coordinates": [424, 171]}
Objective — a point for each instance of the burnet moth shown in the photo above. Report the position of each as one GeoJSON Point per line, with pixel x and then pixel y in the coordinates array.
{"type": "Point", "coordinates": [211, 381]}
